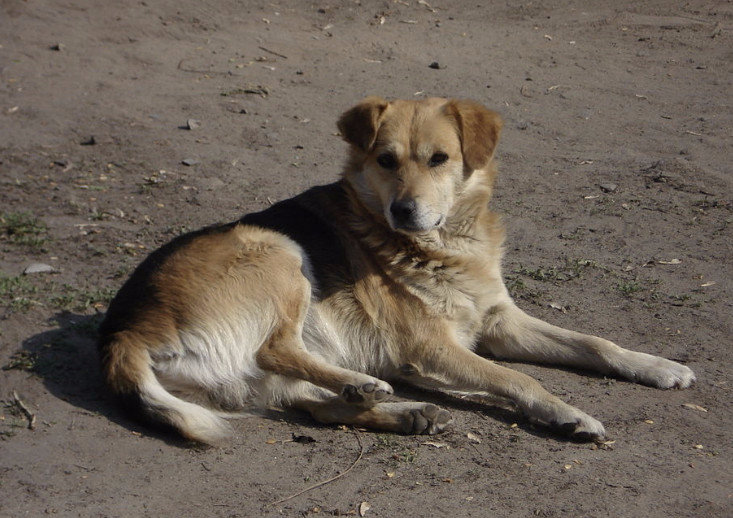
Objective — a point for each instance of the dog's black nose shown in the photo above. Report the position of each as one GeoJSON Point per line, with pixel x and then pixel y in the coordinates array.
{"type": "Point", "coordinates": [403, 210]}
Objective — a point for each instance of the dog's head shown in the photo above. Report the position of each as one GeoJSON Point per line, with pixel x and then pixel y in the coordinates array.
{"type": "Point", "coordinates": [414, 161]}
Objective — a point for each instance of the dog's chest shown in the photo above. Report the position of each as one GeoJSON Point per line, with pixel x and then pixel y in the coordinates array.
{"type": "Point", "coordinates": [456, 288]}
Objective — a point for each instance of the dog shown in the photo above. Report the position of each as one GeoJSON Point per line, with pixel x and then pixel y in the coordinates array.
{"type": "Point", "coordinates": [391, 273]}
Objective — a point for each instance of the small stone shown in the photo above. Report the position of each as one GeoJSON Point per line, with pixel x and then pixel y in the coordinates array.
{"type": "Point", "coordinates": [58, 47]}
{"type": "Point", "coordinates": [608, 187]}
{"type": "Point", "coordinates": [192, 124]}
{"type": "Point", "coordinates": [38, 268]}
{"type": "Point", "coordinates": [88, 142]}
{"type": "Point", "coordinates": [189, 161]}
{"type": "Point", "coordinates": [435, 65]}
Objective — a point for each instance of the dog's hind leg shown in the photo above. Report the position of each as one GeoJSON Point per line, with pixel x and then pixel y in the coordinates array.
{"type": "Point", "coordinates": [402, 417]}
{"type": "Point", "coordinates": [284, 353]}
{"type": "Point", "coordinates": [510, 333]}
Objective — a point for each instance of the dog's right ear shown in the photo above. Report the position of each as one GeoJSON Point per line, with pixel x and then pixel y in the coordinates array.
{"type": "Point", "coordinates": [359, 125]}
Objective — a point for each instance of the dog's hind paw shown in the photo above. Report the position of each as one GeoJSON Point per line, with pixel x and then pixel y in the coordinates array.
{"type": "Point", "coordinates": [367, 394]}
{"type": "Point", "coordinates": [427, 419]}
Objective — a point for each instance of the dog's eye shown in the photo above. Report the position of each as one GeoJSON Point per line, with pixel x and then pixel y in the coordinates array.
{"type": "Point", "coordinates": [437, 159]}
{"type": "Point", "coordinates": [387, 160]}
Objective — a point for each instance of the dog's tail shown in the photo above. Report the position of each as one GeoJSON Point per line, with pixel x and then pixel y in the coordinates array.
{"type": "Point", "coordinates": [128, 370]}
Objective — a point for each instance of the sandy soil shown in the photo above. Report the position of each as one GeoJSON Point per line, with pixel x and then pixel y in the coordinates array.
{"type": "Point", "coordinates": [615, 183]}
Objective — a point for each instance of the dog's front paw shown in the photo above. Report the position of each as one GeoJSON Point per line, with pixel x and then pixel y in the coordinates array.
{"type": "Point", "coordinates": [367, 394]}
{"type": "Point", "coordinates": [582, 428]}
{"type": "Point", "coordinates": [568, 421]}
{"type": "Point", "coordinates": [659, 372]}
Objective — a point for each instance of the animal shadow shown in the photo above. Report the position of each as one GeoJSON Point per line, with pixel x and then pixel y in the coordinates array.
{"type": "Point", "coordinates": [66, 359]}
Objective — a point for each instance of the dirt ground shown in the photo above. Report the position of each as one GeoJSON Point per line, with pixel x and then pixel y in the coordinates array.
{"type": "Point", "coordinates": [615, 184]}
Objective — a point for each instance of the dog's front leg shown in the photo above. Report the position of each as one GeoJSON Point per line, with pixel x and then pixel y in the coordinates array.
{"type": "Point", "coordinates": [510, 333]}
{"type": "Point", "coordinates": [447, 365]}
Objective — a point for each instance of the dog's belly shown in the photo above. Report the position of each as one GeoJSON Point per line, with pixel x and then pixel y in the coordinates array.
{"type": "Point", "coordinates": [346, 339]}
{"type": "Point", "coordinates": [216, 352]}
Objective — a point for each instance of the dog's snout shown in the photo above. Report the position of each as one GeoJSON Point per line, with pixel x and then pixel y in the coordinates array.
{"type": "Point", "coordinates": [403, 210]}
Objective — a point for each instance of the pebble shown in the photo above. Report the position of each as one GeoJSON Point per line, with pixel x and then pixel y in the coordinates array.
{"type": "Point", "coordinates": [38, 268]}
{"type": "Point", "coordinates": [192, 124]}
{"type": "Point", "coordinates": [435, 65]}
{"type": "Point", "coordinates": [58, 47]}
{"type": "Point", "coordinates": [189, 161]}
{"type": "Point", "coordinates": [88, 142]}
{"type": "Point", "coordinates": [608, 187]}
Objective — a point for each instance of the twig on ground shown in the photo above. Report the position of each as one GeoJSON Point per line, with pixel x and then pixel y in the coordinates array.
{"type": "Point", "coordinates": [28, 414]}
{"type": "Point", "coordinates": [273, 52]}
{"type": "Point", "coordinates": [328, 481]}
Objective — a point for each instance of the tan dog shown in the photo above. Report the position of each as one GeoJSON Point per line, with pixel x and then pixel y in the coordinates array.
{"type": "Point", "coordinates": [392, 273]}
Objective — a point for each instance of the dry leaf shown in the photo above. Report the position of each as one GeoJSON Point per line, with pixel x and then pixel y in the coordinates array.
{"type": "Point", "coordinates": [671, 261]}
{"type": "Point", "coordinates": [558, 307]}
{"type": "Point", "coordinates": [270, 441]}
{"type": "Point", "coordinates": [432, 10]}
{"type": "Point", "coordinates": [648, 421]}
{"type": "Point", "coordinates": [389, 474]}
{"type": "Point", "coordinates": [695, 407]}
{"type": "Point", "coordinates": [435, 444]}
{"type": "Point", "coordinates": [363, 508]}
{"type": "Point", "coordinates": [705, 285]}
{"type": "Point", "coordinates": [473, 437]}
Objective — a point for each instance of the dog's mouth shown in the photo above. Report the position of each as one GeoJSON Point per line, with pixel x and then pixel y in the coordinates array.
{"type": "Point", "coordinates": [411, 227]}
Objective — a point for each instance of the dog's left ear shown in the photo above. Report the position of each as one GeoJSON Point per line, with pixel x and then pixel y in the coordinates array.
{"type": "Point", "coordinates": [359, 125]}
{"type": "Point", "coordinates": [478, 129]}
